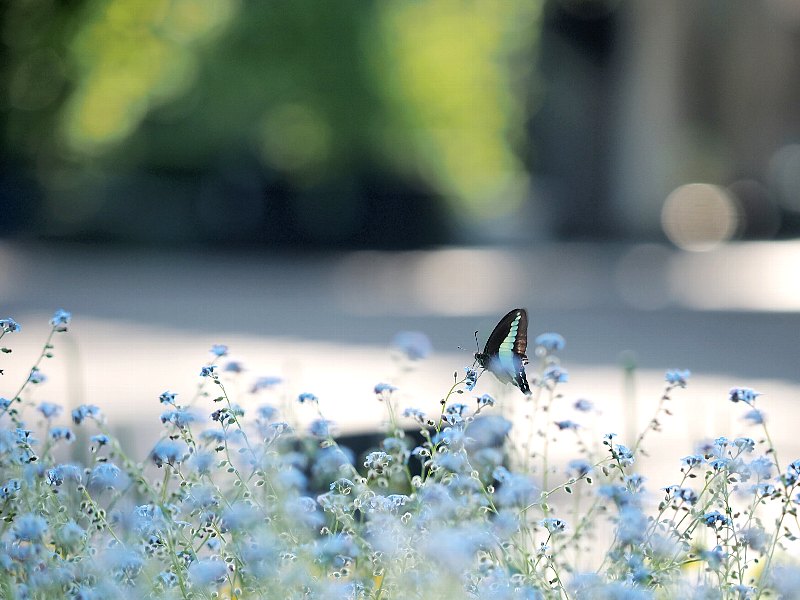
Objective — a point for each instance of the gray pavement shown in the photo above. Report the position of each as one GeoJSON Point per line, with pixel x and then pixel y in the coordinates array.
{"type": "Point", "coordinates": [580, 291]}
{"type": "Point", "coordinates": [144, 320]}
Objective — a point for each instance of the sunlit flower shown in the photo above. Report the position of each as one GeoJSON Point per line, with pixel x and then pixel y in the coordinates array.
{"type": "Point", "coordinates": [762, 467]}
{"type": "Point", "coordinates": [745, 444]}
{"type": "Point", "coordinates": [416, 414]}
{"type": "Point", "coordinates": [61, 319]}
{"type": "Point", "coordinates": [86, 411]}
{"type": "Point", "coordinates": [622, 454]}
{"type": "Point", "coordinates": [376, 462]}
{"type": "Point", "coordinates": [634, 481]}
{"type": "Point", "coordinates": [716, 519]}
{"type": "Point", "coordinates": [342, 486]}
{"type": "Point", "coordinates": [488, 430]}
{"type": "Point", "coordinates": [9, 325]}
{"type": "Point", "coordinates": [553, 525]}
{"type": "Point", "coordinates": [49, 410]}
{"type": "Point", "coordinates": [107, 476]}
{"type": "Point", "coordinates": [688, 495]}
{"type": "Point", "coordinates": [169, 451]}
{"type": "Point", "coordinates": [61, 473]}
{"type": "Point", "coordinates": [29, 528]}
{"type": "Point", "coordinates": [742, 394]}
{"type": "Point", "coordinates": [201, 462]}
{"type": "Point", "coordinates": [471, 378]}
{"type": "Point", "coordinates": [320, 428]}
{"type": "Point", "coordinates": [762, 490]}
{"type": "Point", "coordinates": [36, 376]}
{"type": "Point", "coordinates": [70, 535]}
{"type": "Point", "coordinates": [551, 342]}
{"type": "Point", "coordinates": [265, 383]}
{"type": "Point", "coordinates": [167, 397]}
{"type": "Point", "coordinates": [99, 440]}
{"type": "Point", "coordinates": [240, 516]}
{"type": "Point", "coordinates": [180, 417]}
{"type": "Point", "coordinates": [692, 460]}
{"type": "Point", "coordinates": [10, 488]}
{"type": "Point", "coordinates": [384, 389]}
{"type": "Point", "coordinates": [279, 428]}
{"type": "Point", "coordinates": [792, 474]}
{"type": "Point", "coordinates": [516, 490]}
{"type": "Point", "coordinates": [122, 563]}
{"type": "Point", "coordinates": [485, 400]}
{"type": "Point", "coordinates": [754, 416]}
{"type": "Point", "coordinates": [307, 397]}
{"type": "Point", "coordinates": [714, 557]}
{"type": "Point", "coordinates": [167, 579]}
{"type": "Point", "coordinates": [631, 524]}
{"type": "Point", "coordinates": [619, 494]}
{"type": "Point", "coordinates": [456, 408]}
{"type": "Point", "coordinates": [219, 349]}
{"type": "Point", "coordinates": [61, 433]}
{"type": "Point", "coordinates": [216, 436]}
{"type": "Point", "coordinates": [556, 374]}
{"type": "Point", "coordinates": [785, 580]}
{"type": "Point", "coordinates": [329, 461]}
{"type": "Point", "coordinates": [755, 537]}
{"type": "Point", "coordinates": [266, 412]}
{"type": "Point", "coordinates": [678, 377]}
{"type": "Point", "coordinates": [579, 467]}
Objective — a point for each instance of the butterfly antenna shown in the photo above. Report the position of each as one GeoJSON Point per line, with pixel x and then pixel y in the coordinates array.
{"type": "Point", "coordinates": [478, 349]}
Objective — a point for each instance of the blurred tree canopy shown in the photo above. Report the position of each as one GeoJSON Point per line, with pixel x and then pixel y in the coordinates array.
{"type": "Point", "coordinates": [332, 121]}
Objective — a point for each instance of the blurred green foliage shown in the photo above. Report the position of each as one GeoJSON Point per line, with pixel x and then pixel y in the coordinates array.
{"type": "Point", "coordinates": [434, 93]}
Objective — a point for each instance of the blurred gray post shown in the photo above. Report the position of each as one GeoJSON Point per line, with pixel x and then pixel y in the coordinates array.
{"type": "Point", "coordinates": [630, 400]}
{"type": "Point", "coordinates": [647, 114]}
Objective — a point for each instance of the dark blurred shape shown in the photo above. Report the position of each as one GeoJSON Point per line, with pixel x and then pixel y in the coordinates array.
{"type": "Point", "coordinates": [572, 131]}
{"type": "Point", "coordinates": [348, 123]}
{"type": "Point", "coordinates": [760, 217]}
{"type": "Point", "coordinates": [19, 194]}
{"type": "Point", "coordinates": [641, 98]}
{"type": "Point", "coordinates": [393, 124]}
{"type": "Point", "coordinates": [784, 176]}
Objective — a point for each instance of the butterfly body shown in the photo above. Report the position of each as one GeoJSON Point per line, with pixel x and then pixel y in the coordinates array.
{"type": "Point", "coordinates": [504, 353]}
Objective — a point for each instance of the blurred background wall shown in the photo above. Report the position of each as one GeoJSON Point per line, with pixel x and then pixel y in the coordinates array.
{"type": "Point", "coordinates": [400, 124]}
{"type": "Point", "coordinates": [628, 170]}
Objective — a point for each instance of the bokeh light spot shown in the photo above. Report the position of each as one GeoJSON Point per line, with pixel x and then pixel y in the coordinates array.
{"type": "Point", "coordinates": [447, 69]}
{"type": "Point", "coordinates": [699, 216]}
{"type": "Point", "coordinates": [132, 57]}
{"type": "Point", "coordinates": [295, 138]}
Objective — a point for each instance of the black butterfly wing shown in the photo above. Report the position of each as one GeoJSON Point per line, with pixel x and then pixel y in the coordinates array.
{"type": "Point", "coordinates": [502, 330]}
{"type": "Point", "coordinates": [504, 354]}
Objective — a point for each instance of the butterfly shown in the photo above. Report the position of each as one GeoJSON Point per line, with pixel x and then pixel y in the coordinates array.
{"type": "Point", "coordinates": [504, 353]}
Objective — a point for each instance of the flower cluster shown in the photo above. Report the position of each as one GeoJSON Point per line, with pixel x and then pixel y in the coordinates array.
{"type": "Point", "coordinates": [244, 501]}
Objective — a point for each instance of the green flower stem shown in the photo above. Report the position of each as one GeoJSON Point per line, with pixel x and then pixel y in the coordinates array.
{"type": "Point", "coordinates": [16, 397]}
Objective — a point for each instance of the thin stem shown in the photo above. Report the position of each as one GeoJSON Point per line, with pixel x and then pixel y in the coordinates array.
{"type": "Point", "coordinates": [16, 397]}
